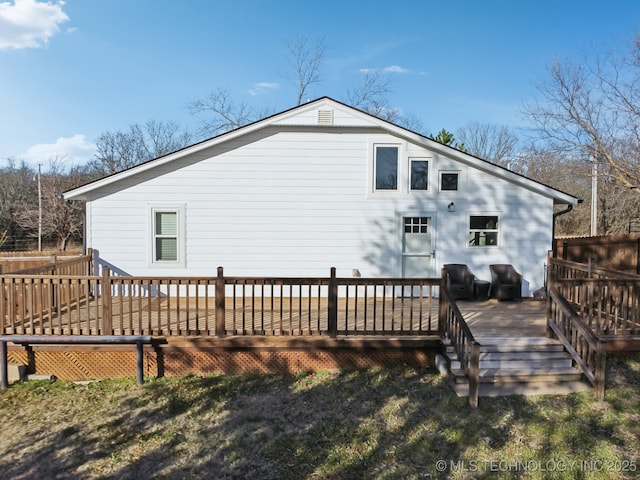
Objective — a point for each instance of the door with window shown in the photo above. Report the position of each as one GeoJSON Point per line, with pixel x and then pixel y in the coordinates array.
{"type": "Point", "coordinates": [418, 249]}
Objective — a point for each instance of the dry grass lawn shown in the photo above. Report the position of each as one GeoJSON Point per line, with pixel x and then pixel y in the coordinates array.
{"type": "Point", "coordinates": [386, 424]}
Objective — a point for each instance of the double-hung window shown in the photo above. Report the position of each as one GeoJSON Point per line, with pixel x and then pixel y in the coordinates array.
{"type": "Point", "coordinates": [167, 235]}
{"type": "Point", "coordinates": [483, 230]}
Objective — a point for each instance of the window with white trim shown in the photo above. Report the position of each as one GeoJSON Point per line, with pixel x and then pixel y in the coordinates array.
{"type": "Point", "coordinates": [449, 181]}
{"type": "Point", "coordinates": [419, 171]}
{"type": "Point", "coordinates": [167, 235]}
{"type": "Point", "coordinates": [483, 230]}
{"type": "Point", "coordinates": [386, 167]}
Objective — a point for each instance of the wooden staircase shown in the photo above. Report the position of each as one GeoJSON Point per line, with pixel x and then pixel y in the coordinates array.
{"type": "Point", "coordinates": [511, 366]}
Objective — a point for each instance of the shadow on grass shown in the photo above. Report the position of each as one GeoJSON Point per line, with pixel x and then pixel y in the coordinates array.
{"type": "Point", "coordinates": [396, 423]}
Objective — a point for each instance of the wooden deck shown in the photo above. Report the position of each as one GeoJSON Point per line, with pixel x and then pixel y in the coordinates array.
{"type": "Point", "coordinates": [490, 318]}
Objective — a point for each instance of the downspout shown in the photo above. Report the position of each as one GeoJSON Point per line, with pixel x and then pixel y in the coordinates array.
{"type": "Point", "coordinates": [554, 248]}
{"type": "Point", "coordinates": [83, 212]}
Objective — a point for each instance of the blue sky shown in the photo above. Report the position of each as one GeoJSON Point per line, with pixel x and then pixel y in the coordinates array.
{"type": "Point", "coordinates": [71, 70]}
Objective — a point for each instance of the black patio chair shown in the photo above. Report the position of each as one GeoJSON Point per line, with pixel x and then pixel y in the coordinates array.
{"type": "Point", "coordinates": [460, 281]}
{"type": "Point", "coordinates": [506, 282]}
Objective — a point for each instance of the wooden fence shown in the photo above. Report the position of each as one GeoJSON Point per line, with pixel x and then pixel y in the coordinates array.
{"type": "Point", "coordinates": [18, 262]}
{"type": "Point", "coordinates": [616, 252]}
{"type": "Point", "coordinates": [79, 304]}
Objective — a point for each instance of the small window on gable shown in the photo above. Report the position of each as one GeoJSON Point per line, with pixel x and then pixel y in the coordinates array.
{"type": "Point", "coordinates": [483, 230]}
{"type": "Point", "coordinates": [386, 167]}
{"type": "Point", "coordinates": [419, 174]}
{"type": "Point", "coordinates": [449, 181]}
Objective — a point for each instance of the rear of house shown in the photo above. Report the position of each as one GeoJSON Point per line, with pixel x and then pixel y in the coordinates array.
{"type": "Point", "coordinates": [322, 185]}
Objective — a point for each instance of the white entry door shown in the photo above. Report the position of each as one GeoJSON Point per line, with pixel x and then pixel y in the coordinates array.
{"type": "Point", "coordinates": [418, 249]}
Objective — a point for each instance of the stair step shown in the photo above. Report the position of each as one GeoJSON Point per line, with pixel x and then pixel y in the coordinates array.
{"type": "Point", "coordinates": [520, 375]}
{"type": "Point", "coordinates": [516, 341]}
{"type": "Point", "coordinates": [508, 363]}
{"type": "Point", "coordinates": [508, 366]}
{"type": "Point", "coordinates": [522, 388]}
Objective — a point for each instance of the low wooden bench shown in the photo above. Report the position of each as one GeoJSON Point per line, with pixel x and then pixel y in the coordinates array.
{"type": "Point", "coordinates": [138, 340]}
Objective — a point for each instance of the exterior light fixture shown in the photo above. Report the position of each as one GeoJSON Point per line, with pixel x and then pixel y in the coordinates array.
{"type": "Point", "coordinates": [451, 207]}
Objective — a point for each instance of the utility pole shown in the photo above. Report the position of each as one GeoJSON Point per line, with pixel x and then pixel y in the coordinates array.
{"type": "Point", "coordinates": [39, 210]}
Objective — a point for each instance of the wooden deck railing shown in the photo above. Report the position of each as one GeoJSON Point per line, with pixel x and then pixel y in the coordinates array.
{"type": "Point", "coordinates": [608, 307]}
{"type": "Point", "coordinates": [607, 301]}
{"type": "Point", "coordinates": [563, 269]}
{"type": "Point", "coordinates": [123, 305]}
{"type": "Point", "coordinates": [453, 326]}
{"type": "Point", "coordinates": [587, 350]}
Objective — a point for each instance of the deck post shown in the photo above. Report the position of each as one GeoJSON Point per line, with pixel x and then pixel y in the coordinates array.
{"type": "Point", "coordinates": [4, 366]}
{"type": "Point", "coordinates": [107, 325]}
{"type": "Point", "coordinates": [333, 304]}
{"type": "Point", "coordinates": [89, 255]}
{"type": "Point", "coordinates": [600, 370]}
{"type": "Point", "coordinates": [139, 363]}
{"type": "Point", "coordinates": [474, 374]}
{"type": "Point", "coordinates": [220, 329]}
{"type": "Point", "coordinates": [550, 284]}
{"type": "Point", "coordinates": [442, 305]}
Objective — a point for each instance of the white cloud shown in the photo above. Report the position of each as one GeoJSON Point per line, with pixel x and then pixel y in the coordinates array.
{"type": "Point", "coordinates": [74, 150]}
{"type": "Point", "coordinates": [29, 23]}
{"type": "Point", "coordinates": [389, 69]}
{"type": "Point", "coordinates": [262, 87]}
{"type": "Point", "coordinates": [395, 69]}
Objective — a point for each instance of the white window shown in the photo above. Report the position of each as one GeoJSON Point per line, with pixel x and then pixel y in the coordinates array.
{"type": "Point", "coordinates": [483, 230]}
{"type": "Point", "coordinates": [419, 171]}
{"type": "Point", "coordinates": [167, 235]}
{"type": "Point", "coordinates": [386, 167]}
{"type": "Point", "coordinates": [449, 181]}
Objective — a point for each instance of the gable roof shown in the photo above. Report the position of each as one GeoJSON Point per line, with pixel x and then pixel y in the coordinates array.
{"type": "Point", "coordinates": [310, 114]}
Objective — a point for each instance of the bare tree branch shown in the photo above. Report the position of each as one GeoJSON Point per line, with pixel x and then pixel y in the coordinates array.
{"type": "Point", "coordinates": [306, 60]}
{"type": "Point", "coordinates": [494, 143]}
{"type": "Point", "coordinates": [221, 113]}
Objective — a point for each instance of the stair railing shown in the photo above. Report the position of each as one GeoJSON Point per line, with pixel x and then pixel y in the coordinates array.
{"type": "Point", "coordinates": [451, 325]}
{"type": "Point", "coordinates": [587, 350]}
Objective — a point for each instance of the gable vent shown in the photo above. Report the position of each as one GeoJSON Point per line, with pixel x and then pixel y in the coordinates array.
{"type": "Point", "coordinates": [325, 117]}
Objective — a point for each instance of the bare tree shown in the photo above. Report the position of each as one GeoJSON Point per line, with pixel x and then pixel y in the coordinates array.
{"type": "Point", "coordinates": [220, 112]}
{"type": "Point", "coordinates": [594, 108]}
{"type": "Point", "coordinates": [494, 143]}
{"type": "Point", "coordinates": [60, 223]}
{"type": "Point", "coordinates": [164, 137]}
{"type": "Point", "coordinates": [306, 60]}
{"type": "Point", "coordinates": [120, 150]}
{"type": "Point", "coordinates": [372, 92]}
{"type": "Point", "coordinates": [571, 175]}
{"type": "Point", "coordinates": [18, 192]}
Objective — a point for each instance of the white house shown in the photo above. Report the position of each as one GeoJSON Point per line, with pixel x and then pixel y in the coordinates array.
{"type": "Point", "coordinates": [320, 185]}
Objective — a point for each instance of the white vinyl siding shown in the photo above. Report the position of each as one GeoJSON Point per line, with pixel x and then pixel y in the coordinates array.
{"type": "Point", "coordinates": [300, 201]}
